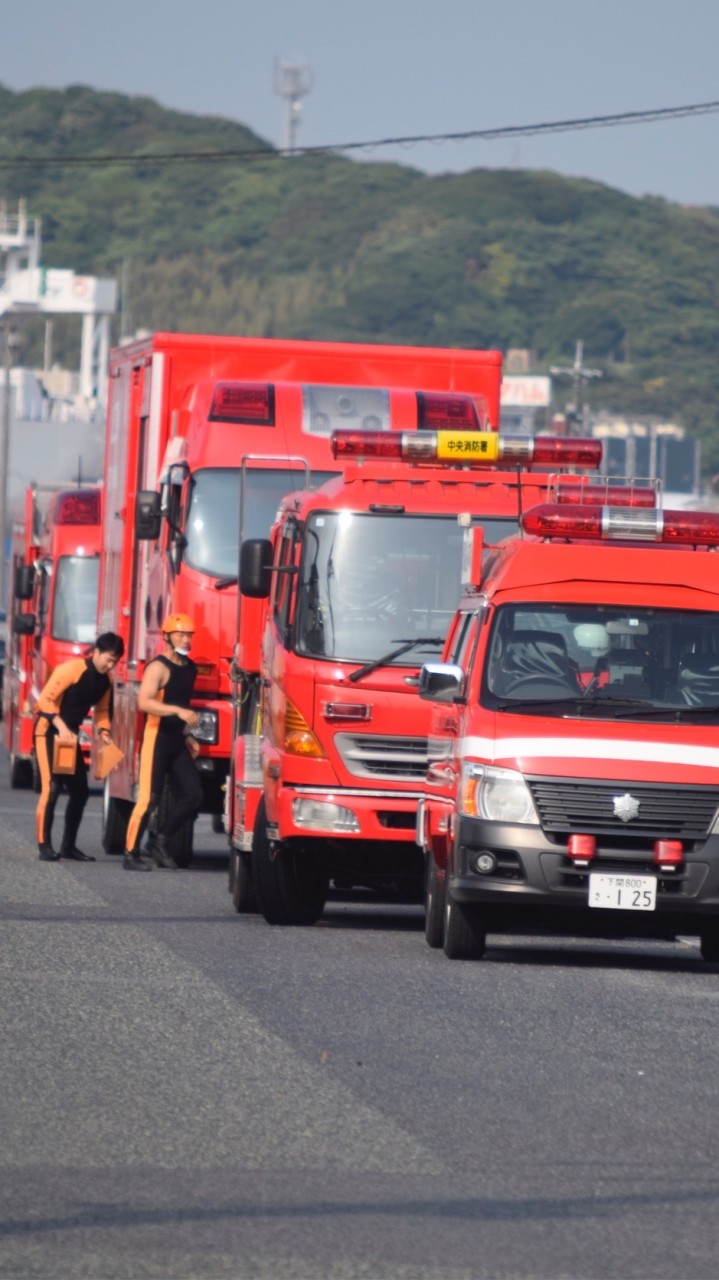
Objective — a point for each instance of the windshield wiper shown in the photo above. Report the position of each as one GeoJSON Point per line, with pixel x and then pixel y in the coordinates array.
{"type": "Point", "coordinates": [515, 703]}
{"type": "Point", "coordinates": [674, 712]}
{"type": "Point", "coordinates": [580, 703]}
{"type": "Point", "coordinates": [387, 658]}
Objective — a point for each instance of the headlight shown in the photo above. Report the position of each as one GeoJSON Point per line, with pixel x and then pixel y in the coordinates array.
{"type": "Point", "coordinates": [499, 795]}
{"type": "Point", "coordinates": [206, 730]}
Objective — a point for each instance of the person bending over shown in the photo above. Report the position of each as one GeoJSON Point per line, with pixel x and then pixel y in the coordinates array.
{"type": "Point", "coordinates": [73, 688]}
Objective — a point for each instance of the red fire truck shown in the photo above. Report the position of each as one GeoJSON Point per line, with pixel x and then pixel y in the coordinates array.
{"type": "Point", "coordinates": [574, 774]}
{"type": "Point", "coordinates": [204, 436]}
{"type": "Point", "coordinates": [54, 573]}
{"type": "Point", "coordinates": [363, 583]}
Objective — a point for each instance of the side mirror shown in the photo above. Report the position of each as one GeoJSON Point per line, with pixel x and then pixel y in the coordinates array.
{"type": "Point", "coordinates": [441, 682]}
{"type": "Point", "coordinates": [256, 568]}
{"type": "Point", "coordinates": [24, 581]}
{"type": "Point", "coordinates": [148, 517]}
{"type": "Point", "coordinates": [23, 624]}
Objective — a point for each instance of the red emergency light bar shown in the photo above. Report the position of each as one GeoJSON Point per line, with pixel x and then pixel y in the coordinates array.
{"type": "Point", "coordinates": [451, 411]}
{"type": "Point", "coordinates": [80, 507]}
{"type": "Point", "coordinates": [472, 448]}
{"type": "Point", "coordinates": [252, 403]}
{"type": "Point", "coordinates": [628, 524]}
{"type": "Point", "coordinates": [609, 495]}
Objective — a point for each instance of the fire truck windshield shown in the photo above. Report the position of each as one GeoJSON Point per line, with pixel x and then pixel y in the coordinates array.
{"type": "Point", "coordinates": [212, 527]}
{"type": "Point", "coordinates": [74, 602]}
{"type": "Point", "coordinates": [374, 582]}
{"type": "Point", "coordinates": [603, 661]}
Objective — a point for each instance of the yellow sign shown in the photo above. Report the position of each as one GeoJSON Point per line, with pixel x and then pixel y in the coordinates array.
{"type": "Point", "coordinates": [467, 446]}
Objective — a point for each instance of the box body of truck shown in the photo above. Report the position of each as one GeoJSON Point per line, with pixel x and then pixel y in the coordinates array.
{"type": "Point", "coordinates": [217, 429]}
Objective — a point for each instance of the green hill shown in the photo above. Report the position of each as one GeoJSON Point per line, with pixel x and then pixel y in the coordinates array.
{"type": "Point", "coordinates": [322, 246]}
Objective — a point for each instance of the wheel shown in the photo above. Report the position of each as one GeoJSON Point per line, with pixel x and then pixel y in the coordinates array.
{"type": "Point", "coordinates": [20, 773]}
{"type": "Point", "coordinates": [218, 824]}
{"type": "Point", "coordinates": [464, 935]}
{"type": "Point", "coordinates": [179, 844]}
{"type": "Point", "coordinates": [244, 898]}
{"type": "Point", "coordinates": [291, 888]}
{"type": "Point", "coordinates": [709, 944]}
{"type": "Point", "coordinates": [115, 817]}
{"type": "Point", "coordinates": [434, 904]}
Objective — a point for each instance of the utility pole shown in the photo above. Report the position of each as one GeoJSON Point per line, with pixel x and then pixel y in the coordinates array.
{"type": "Point", "coordinates": [293, 81]}
{"type": "Point", "coordinates": [10, 342]}
{"type": "Point", "coordinates": [579, 375]}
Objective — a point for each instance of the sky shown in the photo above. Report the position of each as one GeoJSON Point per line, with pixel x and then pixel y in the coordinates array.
{"type": "Point", "coordinates": [393, 68]}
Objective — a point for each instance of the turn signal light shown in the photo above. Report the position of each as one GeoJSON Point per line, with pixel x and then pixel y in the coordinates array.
{"type": "Point", "coordinates": [581, 849]}
{"type": "Point", "coordinates": [299, 739]}
{"type": "Point", "coordinates": [668, 854]}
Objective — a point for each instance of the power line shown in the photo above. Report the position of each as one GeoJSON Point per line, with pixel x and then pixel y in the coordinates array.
{"type": "Point", "coordinates": [249, 154]}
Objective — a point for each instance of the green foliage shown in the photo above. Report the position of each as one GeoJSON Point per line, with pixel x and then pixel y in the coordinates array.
{"type": "Point", "coordinates": [321, 246]}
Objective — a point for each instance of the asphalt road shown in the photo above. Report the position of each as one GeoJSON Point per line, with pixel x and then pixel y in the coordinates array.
{"type": "Point", "coordinates": [189, 1093]}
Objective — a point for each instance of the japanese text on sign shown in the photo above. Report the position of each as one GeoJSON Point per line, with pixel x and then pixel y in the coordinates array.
{"type": "Point", "coordinates": [477, 446]}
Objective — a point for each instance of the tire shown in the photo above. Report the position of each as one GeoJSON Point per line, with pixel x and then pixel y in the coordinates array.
{"type": "Point", "coordinates": [218, 824]}
{"type": "Point", "coordinates": [115, 817]}
{"type": "Point", "coordinates": [709, 945]}
{"type": "Point", "coordinates": [20, 773]}
{"type": "Point", "coordinates": [180, 844]}
{"type": "Point", "coordinates": [244, 898]}
{"type": "Point", "coordinates": [465, 936]}
{"type": "Point", "coordinates": [434, 904]}
{"type": "Point", "coordinates": [291, 888]}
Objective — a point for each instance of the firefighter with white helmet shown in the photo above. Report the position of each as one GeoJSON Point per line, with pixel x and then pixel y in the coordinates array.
{"type": "Point", "coordinates": [168, 749]}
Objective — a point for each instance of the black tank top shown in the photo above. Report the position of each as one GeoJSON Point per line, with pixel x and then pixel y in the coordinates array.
{"type": "Point", "coordinates": [83, 694]}
{"type": "Point", "coordinates": [177, 692]}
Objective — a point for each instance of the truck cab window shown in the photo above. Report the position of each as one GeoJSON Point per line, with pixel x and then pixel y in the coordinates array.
{"type": "Point", "coordinates": [212, 526]}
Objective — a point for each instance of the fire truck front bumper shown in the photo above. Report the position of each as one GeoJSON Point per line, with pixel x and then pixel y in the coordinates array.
{"type": "Point", "coordinates": [348, 813]}
{"type": "Point", "coordinates": [516, 869]}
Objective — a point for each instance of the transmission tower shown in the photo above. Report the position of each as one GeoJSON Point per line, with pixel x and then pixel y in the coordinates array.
{"type": "Point", "coordinates": [293, 81]}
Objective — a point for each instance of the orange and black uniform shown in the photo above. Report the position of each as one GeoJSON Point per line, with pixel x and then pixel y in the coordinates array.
{"type": "Point", "coordinates": [72, 689]}
{"type": "Point", "coordinates": [164, 755]}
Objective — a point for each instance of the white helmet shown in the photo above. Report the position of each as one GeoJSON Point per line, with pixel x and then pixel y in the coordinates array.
{"type": "Point", "coordinates": [593, 636]}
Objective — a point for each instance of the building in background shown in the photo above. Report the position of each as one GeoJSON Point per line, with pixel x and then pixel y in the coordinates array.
{"type": "Point", "coordinates": [648, 449]}
{"type": "Point", "coordinates": [51, 420]}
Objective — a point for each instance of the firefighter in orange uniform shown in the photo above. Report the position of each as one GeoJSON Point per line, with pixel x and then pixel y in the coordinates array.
{"type": "Point", "coordinates": [72, 689]}
{"type": "Point", "coordinates": [168, 751]}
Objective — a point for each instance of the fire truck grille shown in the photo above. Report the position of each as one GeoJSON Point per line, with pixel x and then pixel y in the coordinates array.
{"type": "Point", "coordinates": [367, 756]}
{"type": "Point", "coordinates": [649, 812]}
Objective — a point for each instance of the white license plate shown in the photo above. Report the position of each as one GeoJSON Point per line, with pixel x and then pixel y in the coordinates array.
{"type": "Point", "coordinates": [622, 893]}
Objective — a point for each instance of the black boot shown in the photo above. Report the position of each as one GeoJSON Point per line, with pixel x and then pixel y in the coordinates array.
{"type": "Point", "coordinates": [133, 862]}
{"type": "Point", "coordinates": [161, 853]}
{"type": "Point", "coordinates": [47, 853]}
{"type": "Point", "coordinates": [75, 854]}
